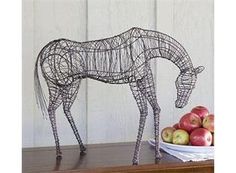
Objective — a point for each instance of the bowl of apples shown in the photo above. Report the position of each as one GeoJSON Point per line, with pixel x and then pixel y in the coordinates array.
{"type": "Point", "coordinates": [193, 133]}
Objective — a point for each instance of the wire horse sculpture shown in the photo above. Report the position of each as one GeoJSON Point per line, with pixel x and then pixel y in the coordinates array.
{"type": "Point", "coordinates": [122, 59]}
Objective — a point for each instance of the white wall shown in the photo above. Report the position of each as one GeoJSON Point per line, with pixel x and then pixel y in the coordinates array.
{"type": "Point", "coordinates": [108, 113]}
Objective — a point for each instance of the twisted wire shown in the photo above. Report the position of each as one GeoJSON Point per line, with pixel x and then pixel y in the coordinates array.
{"type": "Point", "coordinates": [121, 59]}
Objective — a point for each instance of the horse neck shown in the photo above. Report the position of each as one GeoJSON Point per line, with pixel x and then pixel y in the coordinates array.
{"type": "Point", "coordinates": [168, 48]}
{"type": "Point", "coordinates": [182, 61]}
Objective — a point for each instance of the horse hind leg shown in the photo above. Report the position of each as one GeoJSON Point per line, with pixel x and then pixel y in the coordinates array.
{"type": "Point", "coordinates": [54, 102]}
{"type": "Point", "coordinates": [68, 97]}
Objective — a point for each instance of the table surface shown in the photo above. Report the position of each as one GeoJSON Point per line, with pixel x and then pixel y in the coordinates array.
{"type": "Point", "coordinates": [106, 158]}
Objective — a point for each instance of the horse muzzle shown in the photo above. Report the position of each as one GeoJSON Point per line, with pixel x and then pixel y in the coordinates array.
{"type": "Point", "coordinates": [179, 104]}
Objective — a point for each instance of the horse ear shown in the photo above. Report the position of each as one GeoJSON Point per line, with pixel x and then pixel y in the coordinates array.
{"type": "Point", "coordinates": [199, 69]}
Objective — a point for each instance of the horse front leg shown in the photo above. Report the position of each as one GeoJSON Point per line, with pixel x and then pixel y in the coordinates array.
{"type": "Point", "coordinates": [142, 105]}
{"type": "Point", "coordinates": [150, 94]}
{"type": "Point", "coordinates": [156, 112]}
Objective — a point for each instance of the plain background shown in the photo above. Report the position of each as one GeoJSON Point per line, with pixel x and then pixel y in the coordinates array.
{"type": "Point", "coordinates": [107, 113]}
{"type": "Point", "coordinates": [225, 84]}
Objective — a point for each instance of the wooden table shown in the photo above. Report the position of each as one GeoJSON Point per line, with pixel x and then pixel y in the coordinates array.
{"type": "Point", "coordinates": [107, 158]}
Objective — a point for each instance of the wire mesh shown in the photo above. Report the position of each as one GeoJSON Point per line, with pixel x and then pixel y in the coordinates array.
{"type": "Point", "coordinates": [121, 59]}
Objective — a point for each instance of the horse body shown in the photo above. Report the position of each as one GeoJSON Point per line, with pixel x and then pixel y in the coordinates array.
{"type": "Point", "coordinates": [113, 60]}
{"type": "Point", "coordinates": [122, 59]}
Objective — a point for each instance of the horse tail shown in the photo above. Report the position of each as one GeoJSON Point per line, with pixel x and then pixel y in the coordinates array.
{"type": "Point", "coordinates": [39, 95]}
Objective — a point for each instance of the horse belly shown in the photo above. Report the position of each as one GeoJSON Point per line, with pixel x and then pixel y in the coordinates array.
{"type": "Point", "coordinates": [111, 78]}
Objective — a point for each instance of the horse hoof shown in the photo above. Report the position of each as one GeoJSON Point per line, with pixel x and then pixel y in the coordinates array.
{"type": "Point", "coordinates": [59, 157]}
{"type": "Point", "coordinates": [59, 154]}
{"type": "Point", "coordinates": [82, 153]}
{"type": "Point", "coordinates": [158, 156]}
{"type": "Point", "coordinates": [135, 162]}
{"type": "Point", "coordinates": [82, 149]}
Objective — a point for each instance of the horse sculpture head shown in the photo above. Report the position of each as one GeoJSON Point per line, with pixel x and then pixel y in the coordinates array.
{"type": "Point", "coordinates": [185, 83]}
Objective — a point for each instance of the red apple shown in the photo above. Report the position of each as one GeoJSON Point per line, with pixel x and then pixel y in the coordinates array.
{"type": "Point", "coordinates": [189, 122]}
{"type": "Point", "coordinates": [167, 134]}
{"type": "Point", "coordinates": [208, 123]}
{"type": "Point", "coordinates": [201, 137]}
{"type": "Point", "coordinates": [176, 126]}
{"type": "Point", "coordinates": [201, 111]}
{"type": "Point", "coordinates": [180, 137]}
